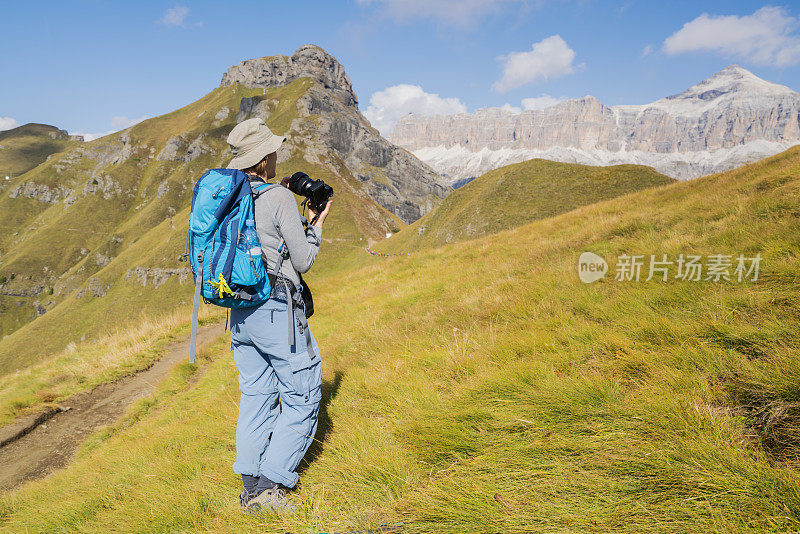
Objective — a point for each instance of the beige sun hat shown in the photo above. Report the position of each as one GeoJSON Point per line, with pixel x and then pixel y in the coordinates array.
{"type": "Point", "coordinates": [250, 141]}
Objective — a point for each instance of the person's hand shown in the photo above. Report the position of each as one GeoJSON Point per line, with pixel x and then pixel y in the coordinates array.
{"type": "Point", "coordinates": [321, 219]}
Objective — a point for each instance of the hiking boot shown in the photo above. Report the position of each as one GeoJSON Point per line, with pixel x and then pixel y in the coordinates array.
{"type": "Point", "coordinates": [271, 499]}
{"type": "Point", "coordinates": [244, 498]}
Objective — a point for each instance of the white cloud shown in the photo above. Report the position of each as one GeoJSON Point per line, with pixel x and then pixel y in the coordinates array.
{"type": "Point", "coordinates": [455, 12]}
{"type": "Point", "coordinates": [6, 123]}
{"type": "Point", "coordinates": [122, 122]}
{"type": "Point", "coordinates": [767, 37]}
{"type": "Point", "coordinates": [509, 107]}
{"type": "Point", "coordinates": [387, 106]}
{"type": "Point", "coordinates": [175, 16]}
{"type": "Point", "coordinates": [532, 103]}
{"type": "Point", "coordinates": [540, 102]}
{"type": "Point", "coordinates": [117, 123]}
{"type": "Point", "coordinates": [646, 51]}
{"type": "Point", "coordinates": [549, 58]}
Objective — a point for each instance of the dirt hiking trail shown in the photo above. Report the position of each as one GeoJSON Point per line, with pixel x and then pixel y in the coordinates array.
{"type": "Point", "coordinates": [40, 444]}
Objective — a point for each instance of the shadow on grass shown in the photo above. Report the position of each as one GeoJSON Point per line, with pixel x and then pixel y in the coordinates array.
{"type": "Point", "coordinates": [329, 390]}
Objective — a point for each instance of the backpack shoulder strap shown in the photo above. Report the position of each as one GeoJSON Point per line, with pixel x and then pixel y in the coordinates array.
{"type": "Point", "coordinates": [283, 254]}
{"type": "Point", "coordinates": [258, 190]}
{"type": "Point", "coordinates": [261, 188]}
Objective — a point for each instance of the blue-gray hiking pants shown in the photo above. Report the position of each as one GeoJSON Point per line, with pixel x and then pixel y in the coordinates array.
{"type": "Point", "coordinates": [280, 392]}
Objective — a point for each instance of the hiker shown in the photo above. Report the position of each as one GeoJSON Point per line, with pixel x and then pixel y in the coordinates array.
{"type": "Point", "coordinates": [280, 372]}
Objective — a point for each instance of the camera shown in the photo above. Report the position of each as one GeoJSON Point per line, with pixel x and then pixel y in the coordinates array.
{"type": "Point", "coordinates": [316, 192]}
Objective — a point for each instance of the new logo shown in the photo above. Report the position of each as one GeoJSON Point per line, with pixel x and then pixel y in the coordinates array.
{"type": "Point", "coordinates": [591, 267]}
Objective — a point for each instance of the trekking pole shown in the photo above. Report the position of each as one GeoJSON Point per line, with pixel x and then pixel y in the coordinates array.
{"type": "Point", "coordinates": [198, 284]}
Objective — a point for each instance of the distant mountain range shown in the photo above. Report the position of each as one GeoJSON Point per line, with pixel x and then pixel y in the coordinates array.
{"type": "Point", "coordinates": [727, 120]}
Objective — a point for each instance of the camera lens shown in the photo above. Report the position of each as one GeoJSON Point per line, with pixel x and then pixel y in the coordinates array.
{"type": "Point", "coordinates": [316, 191]}
{"type": "Point", "coordinates": [300, 183]}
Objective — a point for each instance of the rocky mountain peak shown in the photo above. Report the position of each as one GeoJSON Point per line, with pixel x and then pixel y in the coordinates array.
{"type": "Point", "coordinates": [738, 77]}
{"type": "Point", "coordinates": [309, 61]}
{"type": "Point", "coordinates": [734, 70]}
{"type": "Point", "coordinates": [731, 82]}
{"type": "Point", "coordinates": [329, 130]}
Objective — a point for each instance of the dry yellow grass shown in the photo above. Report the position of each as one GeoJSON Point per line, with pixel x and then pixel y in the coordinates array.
{"type": "Point", "coordinates": [481, 387]}
{"type": "Point", "coordinates": [83, 365]}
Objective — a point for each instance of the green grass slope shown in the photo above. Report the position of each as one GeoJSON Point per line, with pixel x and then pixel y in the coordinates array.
{"type": "Point", "coordinates": [99, 228]}
{"type": "Point", "coordinates": [518, 194]}
{"type": "Point", "coordinates": [481, 387]}
{"type": "Point", "coordinates": [24, 147]}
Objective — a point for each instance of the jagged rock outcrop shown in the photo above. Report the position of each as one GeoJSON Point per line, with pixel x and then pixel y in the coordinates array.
{"type": "Point", "coordinates": [40, 192]}
{"type": "Point", "coordinates": [222, 114]}
{"type": "Point", "coordinates": [393, 177]}
{"type": "Point", "coordinates": [157, 276]}
{"type": "Point", "coordinates": [102, 184]}
{"type": "Point", "coordinates": [102, 260]}
{"type": "Point", "coordinates": [255, 107]}
{"type": "Point", "coordinates": [113, 150]}
{"type": "Point", "coordinates": [94, 287]}
{"type": "Point", "coordinates": [731, 118]}
{"type": "Point", "coordinates": [178, 149]}
{"type": "Point", "coordinates": [308, 61]}
{"type": "Point", "coordinates": [34, 291]}
{"type": "Point", "coordinates": [60, 134]}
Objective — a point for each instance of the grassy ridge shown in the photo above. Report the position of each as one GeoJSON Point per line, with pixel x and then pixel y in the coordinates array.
{"type": "Point", "coordinates": [517, 194]}
{"type": "Point", "coordinates": [79, 259]}
{"type": "Point", "coordinates": [480, 387]}
{"type": "Point", "coordinates": [26, 146]}
{"type": "Point", "coordinates": [22, 149]}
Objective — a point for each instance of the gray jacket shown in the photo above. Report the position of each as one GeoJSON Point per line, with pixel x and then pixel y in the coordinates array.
{"type": "Point", "coordinates": [278, 219]}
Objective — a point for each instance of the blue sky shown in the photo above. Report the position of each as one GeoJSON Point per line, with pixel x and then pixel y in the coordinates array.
{"type": "Point", "coordinates": [93, 66]}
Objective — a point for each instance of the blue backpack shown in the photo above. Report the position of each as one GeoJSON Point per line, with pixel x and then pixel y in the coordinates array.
{"type": "Point", "coordinates": [225, 275]}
